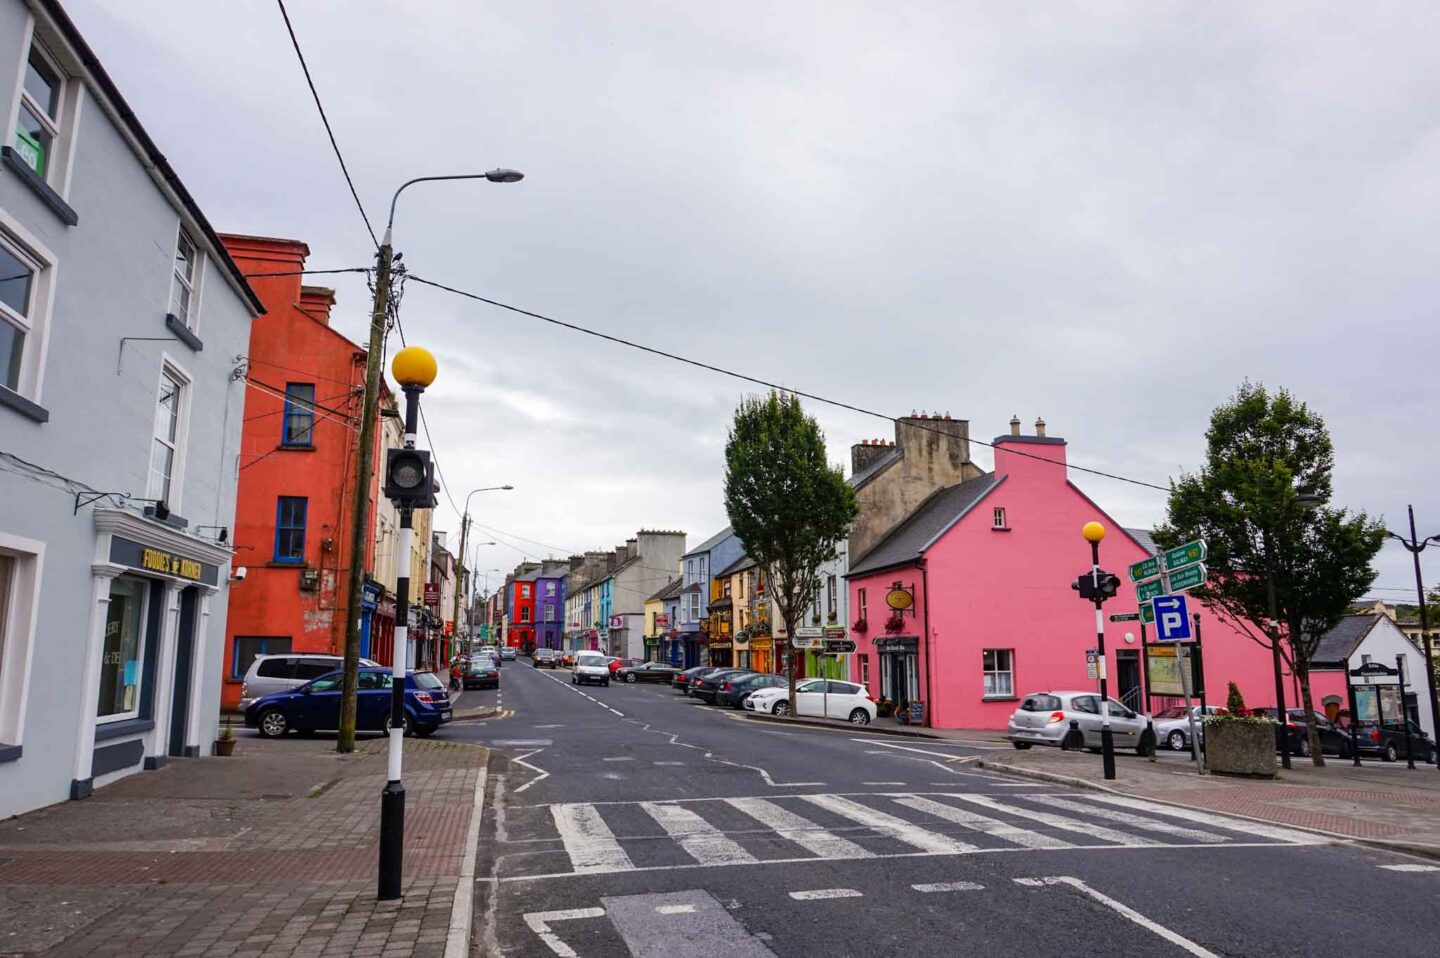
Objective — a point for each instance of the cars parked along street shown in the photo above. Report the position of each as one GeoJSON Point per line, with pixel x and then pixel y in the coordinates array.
{"type": "Point", "coordinates": [315, 705]}
{"type": "Point", "coordinates": [276, 673]}
{"type": "Point", "coordinates": [1172, 726]}
{"type": "Point", "coordinates": [480, 672]}
{"type": "Point", "coordinates": [682, 682]}
{"type": "Point", "coordinates": [1072, 719]}
{"type": "Point", "coordinates": [646, 672]}
{"type": "Point", "coordinates": [821, 698]}
{"type": "Point", "coordinates": [735, 689]}
{"type": "Point", "coordinates": [705, 689]}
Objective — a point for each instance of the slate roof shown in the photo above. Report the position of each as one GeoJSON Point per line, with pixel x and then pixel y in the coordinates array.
{"type": "Point", "coordinates": [1337, 645]}
{"type": "Point", "coordinates": [669, 592]}
{"type": "Point", "coordinates": [907, 541]}
{"type": "Point", "coordinates": [1146, 540]}
{"type": "Point", "coordinates": [740, 564]}
{"type": "Point", "coordinates": [712, 542]}
{"type": "Point", "coordinates": [874, 469]}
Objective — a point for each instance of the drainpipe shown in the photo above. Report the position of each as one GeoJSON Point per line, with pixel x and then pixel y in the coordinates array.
{"type": "Point", "coordinates": [929, 665]}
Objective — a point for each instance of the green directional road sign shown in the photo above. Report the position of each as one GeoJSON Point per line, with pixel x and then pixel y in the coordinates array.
{"type": "Point", "coordinates": [1188, 554]}
{"type": "Point", "coordinates": [1144, 569]}
{"type": "Point", "coordinates": [1146, 591]}
{"type": "Point", "coordinates": [1147, 613]}
{"type": "Point", "coordinates": [1188, 577]}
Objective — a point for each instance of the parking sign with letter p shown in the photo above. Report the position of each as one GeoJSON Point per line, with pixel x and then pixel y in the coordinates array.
{"type": "Point", "coordinates": [1172, 618]}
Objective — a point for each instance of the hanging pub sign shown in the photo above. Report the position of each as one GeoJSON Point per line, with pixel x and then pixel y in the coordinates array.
{"type": "Point", "coordinates": [127, 552]}
{"type": "Point", "coordinates": [741, 638]}
{"type": "Point", "coordinates": [899, 598]}
{"type": "Point", "coordinates": [432, 593]}
{"type": "Point", "coordinates": [617, 622]}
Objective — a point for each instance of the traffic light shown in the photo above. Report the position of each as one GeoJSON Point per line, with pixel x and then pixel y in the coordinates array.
{"type": "Point", "coordinates": [1085, 585]}
{"type": "Point", "coordinates": [410, 478]}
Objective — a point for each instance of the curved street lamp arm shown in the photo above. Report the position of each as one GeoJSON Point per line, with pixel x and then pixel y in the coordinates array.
{"type": "Point", "coordinates": [389, 222]}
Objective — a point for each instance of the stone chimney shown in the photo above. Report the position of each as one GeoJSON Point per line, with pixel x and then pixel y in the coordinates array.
{"type": "Point", "coordinates": [1040, 427]}
{"type": "Point", "coordinates": [1014, 425]}
{"type": "Point", "coordinates": [866, 451]}
{"type": "Point", "coordinates": [316, 302]}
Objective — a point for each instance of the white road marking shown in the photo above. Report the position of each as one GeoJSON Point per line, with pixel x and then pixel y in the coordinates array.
{"type": "Point", "coordinates": [820, 894]}
{"type": "Point", "coordinates": [981, 823]}
{"type": "Point", "coordinates": [1411, 868]}
{"type": "Point", "coordinates": [1126, 911]}
{"type": "Point", "coordinates": [1059, 821]}
{"type": "Point", "coordinates": [588, 840]}
{"type": "Point", "coordinates": [457, 938]}
{"type": "Point", "coordinates": [521, 742]}
{"type": "Point", "coordinates": [620, 758]}
{"type": "Point", "coordinates": [704, 842]}
{"type": "Point", "coordinates": [675, 909]}
{"type": "Point", "coordinates": [889, 825]}
{"type": "Point", "coordinates": [667, 763]}
{"type": "Point", "coordinates": [764, 774]}
{"type": "Point", "coordinates": [1125, 818]}
{"type": "Point", "coordinates": [539, 922]}
{"type": "Point", "coordinates": [882, 783]}
{"type": "Point", "coordinates": [1205, 818]}
{"type": "Point", "coordinates": [557, 725]}
{"type": "Point", "coordinates": [949, 886]}
{"type": "Point", "coordinates": [802, 831]}
{"type": "Point", "coordinates": [911, 748]}
{"type": "Point", "coordinates": [520, 760]}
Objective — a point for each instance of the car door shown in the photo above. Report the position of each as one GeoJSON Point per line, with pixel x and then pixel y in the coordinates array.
{"type": "Point", "coordinates": [318, 707]}
{"type": "Point", "coordinates": [810, 698]}
{"type": "Point", "coordinates": [1085, 709]}
{"type": "Point", "coordinates": [1125, 725]}
{"type": "Point", "coordinates": [372, 710]}
{"type": "Point", "coordinates": [840, 699]}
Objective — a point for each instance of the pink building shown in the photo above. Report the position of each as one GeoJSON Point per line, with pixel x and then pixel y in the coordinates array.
{"type": "Point", "coordinates": [989, 563]}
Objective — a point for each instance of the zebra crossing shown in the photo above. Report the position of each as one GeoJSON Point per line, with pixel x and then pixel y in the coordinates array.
{"type": "Point", "coordinates": [583, 838]}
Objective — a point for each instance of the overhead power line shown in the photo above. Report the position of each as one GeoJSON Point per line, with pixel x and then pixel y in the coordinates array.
{"type": "Point", "coordinates": [295, 42]}
{"type": "Point", "coordinates": [745, 377]}
{"type": "Point", "coordinates": [310, 272]}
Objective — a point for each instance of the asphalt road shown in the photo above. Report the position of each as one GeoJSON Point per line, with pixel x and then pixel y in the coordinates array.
{"type": "Point", "coordinates": [629, 820]}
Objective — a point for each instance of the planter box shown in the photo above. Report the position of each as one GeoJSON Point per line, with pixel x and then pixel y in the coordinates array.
{"type": "Point", "coordinates": [1242, 748]}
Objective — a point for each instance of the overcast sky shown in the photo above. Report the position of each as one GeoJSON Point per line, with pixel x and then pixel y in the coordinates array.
{"type": "Point", "coordinates": [1106, 217]}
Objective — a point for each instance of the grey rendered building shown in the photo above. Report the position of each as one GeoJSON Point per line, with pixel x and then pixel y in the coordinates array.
{"type": "Point", "coordinates": [122, 321]}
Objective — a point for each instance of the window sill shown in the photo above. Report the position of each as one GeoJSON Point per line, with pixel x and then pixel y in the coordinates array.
{"type": "Point", "coordinates": [26, 408]}
{"type": "Point", "coordinates": [999, 698]}
{"type": "Point", "coordinates": [1001, 529]}
{"type": "Point", "coordinates": [282, 564]}
{"type": "Point", "coordinates": [9, 753]}
{"type": "Point", "coordinates": [183, 333]}
{"type": "Point", "coordinates": [295, 447]}
{"type": "Point", "coordinates": [39, 187]}
{"type": "Point", "coordinates": [109, 730]}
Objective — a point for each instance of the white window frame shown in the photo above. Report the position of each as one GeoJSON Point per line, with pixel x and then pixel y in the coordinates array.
{"type": "Point", "coordinates": [191, 319]}
{"type": "Point", "coordinates": [140, 649]}
{"type": "Point", "coordinates": [18, 629]}
{"type": "Point", "coordinates": [832, 595]}
{"type": "Point", "coordinates": [19, 242]}
{"type": "Point", "coordinates": [987, 673]}
{"type": "Point", "coordinates": [169, 368]}
{"type": "Point", "coordinates": [999, 515]}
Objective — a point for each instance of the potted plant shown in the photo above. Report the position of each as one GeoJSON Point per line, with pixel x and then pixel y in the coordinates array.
{"type": "Point", "coordinates": [225, 744]}
{"type": "Point", "coordinates": [884, 708]}
{"type": "Point", "coordinates": [902, 712]}
{"type": "Point", "coordinates": [860, 625]}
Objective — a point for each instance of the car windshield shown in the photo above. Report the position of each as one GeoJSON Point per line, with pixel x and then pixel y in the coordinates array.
{"type": "Point", "coordinates": [482, 662]}
{"type": "Point", "coordinates": [591, 660]}
{"type": "Point", "coordinates": [427, 680]}
{"type": "Point", "coordinates": [1173, 712]}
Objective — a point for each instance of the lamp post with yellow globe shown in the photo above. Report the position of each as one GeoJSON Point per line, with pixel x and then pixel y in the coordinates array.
{"type": "Point", "coordinates": [410, 484]}
{"type": "Point", "coordinates": [1094, 532]}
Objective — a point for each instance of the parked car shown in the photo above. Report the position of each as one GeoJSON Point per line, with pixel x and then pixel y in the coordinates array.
{"type": "Point", "coordinates": [545, 658]}
{"type": "Point", "coordinates": [508, 653]}
{"type": "Point", "coordinates": [480, 672]}
{"type": "Point", "coordinates": [737, 688]}
{"type": "Point", "coordinates": [590, 667]}
{"type": "Point", "coordinates": [682, 682]}
{"type": "Point", "coordinates": [1172, 726]}
{"type": "Point", "coordinates": [646, 672]}
{"type": "Point", "coordinates": [822, 698]}
{"type": "Point", "coordinates": [269, 674]}
{"type": "Point", "coordinates": [1333, 739]}
{"type": "Point", "coordinates": [705, 689]}
{"type": "Point", "coordinates": [1388, 741]}
{"type": "Point", "coordinates": [617, 664]}
{"type": "Point", "coordinates": [315, 705]}
{"type": "Point", "coordinates": [567, 659]}
{"type": "Point", "coordinates": [490, 650]}
{"type": "Point", "coordinates": [1072, 719]}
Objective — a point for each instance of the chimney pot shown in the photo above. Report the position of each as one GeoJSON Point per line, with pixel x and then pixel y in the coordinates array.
{"type": "Point", "coordinates": [1014, 425]}
{"type": "Point", "coordinates": [1039, 427]}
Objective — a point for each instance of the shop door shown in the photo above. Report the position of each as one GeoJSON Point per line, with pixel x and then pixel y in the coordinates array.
{"type": "Point", "coordinates": [184, 661]}
{"type": "Point", "coordinates": [1127, 679]}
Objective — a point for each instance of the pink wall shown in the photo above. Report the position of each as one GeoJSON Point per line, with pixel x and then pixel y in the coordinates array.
{"type": "Point", "coordinates": [994, 589]}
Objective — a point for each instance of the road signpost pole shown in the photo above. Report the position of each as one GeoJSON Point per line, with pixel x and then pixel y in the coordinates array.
{"type": "Point", "coordinates": [1183, 659]}
{"type": "Point", "coordinates": [1107, 740]}
{"type": "Point", "coordinates": [1200, 683]}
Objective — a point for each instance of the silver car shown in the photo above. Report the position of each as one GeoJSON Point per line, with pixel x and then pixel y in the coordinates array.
{"type": "Point", "coordinates": [1172, 726]}
{"type": "Point", "coordinates": [269, 674]}
{"type": "Point", "coordinates": [1072, 719]}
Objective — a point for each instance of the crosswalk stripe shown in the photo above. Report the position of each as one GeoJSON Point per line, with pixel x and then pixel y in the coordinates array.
{"type": "Point", "coordinates": [800, 830]}
{"type": "Point", "coordinates": [981, 823]}
{"type": "Point", "coordinates": [1205, 818]}
{"type": "Point", "coordinates": [705, 843]}
{"type": "Point", "coordinates": [889, 825]}
{"type": "Point", "coordinates": [1058, 821]}
{"type": "Point", "coordinates": [1138, 821]}
{"type": "Point", "coordinates": [588, 840]}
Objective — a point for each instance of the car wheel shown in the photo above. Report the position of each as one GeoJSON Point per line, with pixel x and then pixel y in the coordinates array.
{"type": "Point", "coordinates": [1022, 746]}
{"type": "Point", "coordinates": [605, 682]}
{"type": "Point", "coordinates": [273, 723]}
{"type": "Point", "coordinates": [1175, 741]}
{"type": "Point", "coordinates": [1344, 750]}
{"type": "Point", "coordinates": [631, 678]}
{"type": "Point", "coordinates": [1391, 752]}
{"type": "Point", "coordinates": [781, 708]}
{"type": "Point", "coordinates": [572, 680]}
{"type": "Point", "coordinates": [409, 729]}
{"type": "Point", "coordinates": [859, 717]}
{"type": "Point", "coordinates": [1303, 750]}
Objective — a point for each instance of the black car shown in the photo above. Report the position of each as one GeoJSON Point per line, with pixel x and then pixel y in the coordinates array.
{"type": "Point", "coordinates": [646, 672]}
{"type": "Point", "coordinates": [480, 672]}
{"type": "Point", "coordinates": [705, 689]}
{"type": "Point", "coordinates": [683, 681]}
{"type": "Point", "coordinates": [1333, 739]}
{"type": "Point", "coordinates": [1388, 741]}
{"type": "Point", "coordinates": [545, 658]}
{"type": "Point", "coordinates": [734, 690]}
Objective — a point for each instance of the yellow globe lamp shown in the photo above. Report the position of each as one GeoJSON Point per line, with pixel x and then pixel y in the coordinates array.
{"type": "Point", "coordinates": [413, 367]}
{"type": "Point", "coordinates": [1093, 531]}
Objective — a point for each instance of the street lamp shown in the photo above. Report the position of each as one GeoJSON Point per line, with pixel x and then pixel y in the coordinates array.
{"type": "Point", "coordinates": [410, 484]}
{"type": "Point", "coordinates": [365, 464]}
{"type": "Point", "coordinates": [465, 521]}
{"type": "Point", "coordinates": [1306, 501]}
{"type": "Point", "coordinates": [1416, 545]}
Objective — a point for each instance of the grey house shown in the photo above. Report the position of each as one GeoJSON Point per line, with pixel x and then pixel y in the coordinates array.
{"type": "Point", "coordinates": [122, 327]}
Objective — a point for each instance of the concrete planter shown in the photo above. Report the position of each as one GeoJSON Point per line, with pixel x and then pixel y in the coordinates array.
{"type": "Point", "coordinates": [1244, 747]}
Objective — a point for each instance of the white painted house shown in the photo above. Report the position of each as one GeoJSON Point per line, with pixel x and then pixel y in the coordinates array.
{"type": "Point", "coordinates": [1362, 639]}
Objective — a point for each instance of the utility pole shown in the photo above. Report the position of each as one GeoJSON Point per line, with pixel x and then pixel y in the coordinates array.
{"type": "Point", "coordinates": [460, 574]}
{"type": "Point", "coordinates": [360, 511]}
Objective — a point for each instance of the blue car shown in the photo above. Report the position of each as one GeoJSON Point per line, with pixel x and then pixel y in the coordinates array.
{"type": "Point", "coordinates": [315, 706]}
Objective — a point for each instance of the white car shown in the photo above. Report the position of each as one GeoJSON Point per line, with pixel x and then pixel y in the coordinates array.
{"type": "Point", "coordinates": [590, 667]}
{"type": "Point", "coordinates": [821, 698]}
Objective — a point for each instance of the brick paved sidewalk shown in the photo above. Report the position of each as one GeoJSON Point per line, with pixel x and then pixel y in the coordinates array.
{"type": "Point", "coordinates": [270, 852]}
{"type": "Point", "coordinates": [1379, 803]}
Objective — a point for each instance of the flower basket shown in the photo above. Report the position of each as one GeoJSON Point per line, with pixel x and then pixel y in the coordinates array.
{"type": "Point", "coordinates": [860, 625]}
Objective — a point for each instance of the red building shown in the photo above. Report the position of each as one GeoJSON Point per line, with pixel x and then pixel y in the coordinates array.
{"type": "Point", "coordinates": [297, 468]}
{"type": "Point", "coordinates": [521, 634]}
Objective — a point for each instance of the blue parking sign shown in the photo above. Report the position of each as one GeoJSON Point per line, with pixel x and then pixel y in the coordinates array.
{"type": "Point", "coordinates": [1172, 618]}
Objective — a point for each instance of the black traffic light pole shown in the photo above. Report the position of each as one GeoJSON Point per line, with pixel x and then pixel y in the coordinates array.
{"type": "Point", "coordinates": [1107, 741]}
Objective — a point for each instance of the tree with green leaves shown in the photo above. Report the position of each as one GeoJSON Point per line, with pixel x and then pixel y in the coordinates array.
{"type": "Point", "coordinates": [1260, 502]}
{"type": "Point", "coordinates": [786, 502]}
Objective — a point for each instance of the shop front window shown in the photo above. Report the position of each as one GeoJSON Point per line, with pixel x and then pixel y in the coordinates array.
{"type": "Point", "coordinates": [121, 650]}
